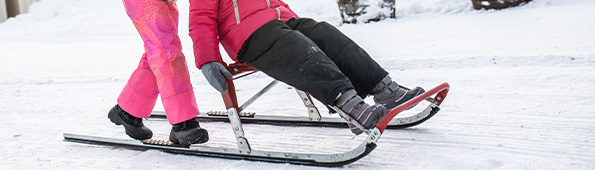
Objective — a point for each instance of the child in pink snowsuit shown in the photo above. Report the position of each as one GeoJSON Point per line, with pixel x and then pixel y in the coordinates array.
{"type": "Point", "coordinates": [311, 56]}
{"type": "Point", "coordinates": [163, 71]}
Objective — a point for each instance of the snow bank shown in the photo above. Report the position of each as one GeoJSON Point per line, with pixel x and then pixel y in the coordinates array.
{"type": "Point", "coordinates": [71, 20]}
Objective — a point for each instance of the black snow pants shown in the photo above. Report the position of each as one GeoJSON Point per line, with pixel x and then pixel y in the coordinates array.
{"type": "Point", "coordinates": [314, 57]}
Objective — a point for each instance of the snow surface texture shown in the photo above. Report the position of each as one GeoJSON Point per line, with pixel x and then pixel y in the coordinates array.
{"type": "Point", "coordinates": [523, 85]}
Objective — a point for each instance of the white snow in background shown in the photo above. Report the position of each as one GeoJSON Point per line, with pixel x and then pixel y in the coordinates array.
{"type": "Point", "coordinates": [523, 85]}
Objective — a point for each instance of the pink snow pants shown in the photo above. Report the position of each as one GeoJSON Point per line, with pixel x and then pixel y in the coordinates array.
{"type": "Point", "coordinates": [162, 69]}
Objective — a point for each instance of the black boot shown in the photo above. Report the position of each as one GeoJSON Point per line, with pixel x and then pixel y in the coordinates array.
{"type": "Point", "coordinates": [390, 95]}
{"type": "Point", "coordinates": [134, 126]}
{"type": "Point", "coordinates": [352, 104]}
{"type": "Point", "coordinates": [188, 133]}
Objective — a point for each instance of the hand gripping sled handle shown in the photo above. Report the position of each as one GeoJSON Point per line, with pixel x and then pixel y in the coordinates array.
{"type": "Point", "coordinates": [440, 91]}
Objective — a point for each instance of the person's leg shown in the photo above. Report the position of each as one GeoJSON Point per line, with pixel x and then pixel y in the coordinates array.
{"type": "Point", "coordinates": [137, 98]}
{"type": "Point", "coordinates": [140, 93]}
{"type": "Point", "coordinates": [158, 29]}
{"type": "Point", "coordinates": [367, 76]}
{"type": "Point", "coordinates": [164, 71]}
{"type": "Point", "coordinates": [187, 131]}
{"type": "Point", "coordinates": [353, 61]}
{"type": "Point", "coordinates": [289, 56]}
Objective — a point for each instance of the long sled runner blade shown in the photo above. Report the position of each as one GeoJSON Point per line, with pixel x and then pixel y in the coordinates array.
{"type": "Point", "coordinates": [245, 153]}
{"type": "Point", "coordinates": [326, 160]}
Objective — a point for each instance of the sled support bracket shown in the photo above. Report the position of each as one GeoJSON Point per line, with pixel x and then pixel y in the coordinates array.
{"type": "Point", "coordinates": [239, 70]}
{"type": "Point", "coordinates": [312, 110]}
{"type": "Point", "coordinates": [258, 95]}
{"type": "Point", "coordinates": [236, 125]}
{"type": "Point", "coordinates": [373, 136]}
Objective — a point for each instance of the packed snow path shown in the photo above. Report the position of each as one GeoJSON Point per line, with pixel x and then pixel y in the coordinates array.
{"type": "Point", "coordinates": [523, 85]}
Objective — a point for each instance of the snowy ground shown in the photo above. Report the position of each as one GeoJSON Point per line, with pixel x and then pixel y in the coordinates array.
{"type": "Point", "coordinates": [523, 83]}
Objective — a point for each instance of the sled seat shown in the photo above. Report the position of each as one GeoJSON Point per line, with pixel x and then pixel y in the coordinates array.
{"type": "Point", "coordinates": [239, 70]}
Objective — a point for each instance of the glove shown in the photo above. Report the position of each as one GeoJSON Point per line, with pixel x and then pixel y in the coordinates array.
{"type": "Point", "coordinates": [215, 73]}
{"type": "Point", "coordinates": [170, 1]}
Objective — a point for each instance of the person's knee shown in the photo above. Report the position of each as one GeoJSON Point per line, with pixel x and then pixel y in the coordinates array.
{"type": "Point", "coordinates": [304, 25]}
{"type": "Point", "coordinates": [325, 28]}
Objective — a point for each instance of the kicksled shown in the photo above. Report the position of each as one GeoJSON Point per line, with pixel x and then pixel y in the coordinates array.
{"type": "Point", "coordinates": [434, 97]}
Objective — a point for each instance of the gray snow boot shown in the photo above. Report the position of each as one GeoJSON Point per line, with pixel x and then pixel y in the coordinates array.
{"type": "Point", "coordinates": [188, 133]}
{"type": "Point", "coordinates": [390, 95]}
{"type": "Point", "coordinates": [352, 104]}
{"type": "Point", "coordinates": [134, 126]}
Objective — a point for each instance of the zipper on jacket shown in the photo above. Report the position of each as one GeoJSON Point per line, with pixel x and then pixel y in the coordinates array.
{"type": "Point", "coordinates": [236, 11]}
{"type": "Point", "coordinates": [278, 14]}
{"type": "Point", "coordinates": [268, 4]}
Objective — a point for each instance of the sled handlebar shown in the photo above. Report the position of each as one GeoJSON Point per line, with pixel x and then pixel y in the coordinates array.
{"type": "Point", "coordinates": [440, 91]}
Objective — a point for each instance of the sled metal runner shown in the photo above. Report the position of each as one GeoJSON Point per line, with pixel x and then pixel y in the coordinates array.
{"type": "Point", "coordinates": [329, 160]}
{"type": "Point", "coordinates": [244, 152]}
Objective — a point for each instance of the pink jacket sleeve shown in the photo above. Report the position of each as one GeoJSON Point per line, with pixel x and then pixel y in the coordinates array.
{"type": "Point", "coordinates": [204, 31]}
